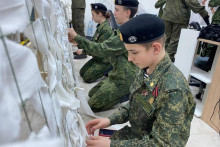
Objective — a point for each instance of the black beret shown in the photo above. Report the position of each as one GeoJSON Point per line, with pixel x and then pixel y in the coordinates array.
{"type": "Point", "coordinates": [98, 6]}
{"type": "Point", "coordinates": [142, 29]}
{"type": "Point", "coordinates": [128, 3]}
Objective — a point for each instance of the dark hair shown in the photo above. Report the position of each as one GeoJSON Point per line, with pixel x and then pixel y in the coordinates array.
{"type": "Point", "coordinates": [161, 40]}
{"type": "Point", "coordinates": [132, 9]}
{"type": "Point", "coordinates": [106, 14]}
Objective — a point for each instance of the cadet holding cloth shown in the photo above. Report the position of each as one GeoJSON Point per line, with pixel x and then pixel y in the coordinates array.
{"type": "Point", "coordinates": [96, 67]}
{"type": "Point", "coordinates": [161, 105]}
{"type": "Point", "coordinates": [109, 91]}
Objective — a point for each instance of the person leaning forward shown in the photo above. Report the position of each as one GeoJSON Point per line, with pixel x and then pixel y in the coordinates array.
{"type": "Point", "coordinates": [108, 92]}
{"type": "Point", "coordinates": [161, 106]}
{"type": "Point", "coordinates": [176, 15]}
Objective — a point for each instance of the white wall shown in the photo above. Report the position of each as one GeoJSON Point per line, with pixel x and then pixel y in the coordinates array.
{"type": "Point", "coordinates": [88, 16]}
{"type": "Point", "coordinates": [146, 6]}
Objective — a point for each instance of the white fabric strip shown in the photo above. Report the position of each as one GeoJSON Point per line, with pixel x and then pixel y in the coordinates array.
{"type": "Point", "coordinates": [13, 16]}
{"type": "Point", "coordinates": [37, 36]}
{"type": "Point", "coordinates": [25, 67]}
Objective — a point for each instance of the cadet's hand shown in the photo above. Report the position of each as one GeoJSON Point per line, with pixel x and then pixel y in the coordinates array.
{"type": "Point", "coordinates": [71, 35]}
{"type": "Point", "coordinates": [74, 44]}
{"type": "Point", "coordinates": [92, 125]}
{"type": "Point", "coordinates": [79, 51]}
{"type": "Point", "coordinates": [98, 141]}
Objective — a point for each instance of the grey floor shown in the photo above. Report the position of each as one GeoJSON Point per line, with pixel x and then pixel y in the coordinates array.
{"type": "Point", "coordinates": [201, 134]}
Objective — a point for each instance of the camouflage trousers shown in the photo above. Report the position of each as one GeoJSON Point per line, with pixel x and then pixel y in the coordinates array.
{"type": "Point", "coordinates": [93, 70]}
{"type": "Point", "coordinates": [172, 31]}
{"type": "Point", "coordinates": [78, 15]}
{"type": "Point", "coordinates": [106, 94]}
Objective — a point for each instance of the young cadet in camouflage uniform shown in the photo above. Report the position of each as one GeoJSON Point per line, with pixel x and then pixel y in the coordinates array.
{"type": "Point", "coordinates": [96, 67]}
{"type": "Point", "coordinates": [176, 15]}
{"type": "Point", "coordinates": [78, 15]}
{"type": "Point", "coordinates": [160, 4]}
{"type": "Point", "coordinates": [108, 92]}
{"type": "Point", "coordinates": [161, 105]}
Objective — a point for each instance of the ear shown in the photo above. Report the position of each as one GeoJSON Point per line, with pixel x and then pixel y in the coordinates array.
{"type": "Point", "coordinates": [156, 48]}
{"type": "Point", "coordinates": [128, 12]}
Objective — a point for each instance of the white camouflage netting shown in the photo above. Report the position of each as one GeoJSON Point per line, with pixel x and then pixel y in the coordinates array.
{"type": "Point", "coordinates": [20, 78]}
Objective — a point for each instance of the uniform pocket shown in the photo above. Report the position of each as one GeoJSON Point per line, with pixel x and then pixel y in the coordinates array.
{"type": "Point", "coordinates": [147, 107]}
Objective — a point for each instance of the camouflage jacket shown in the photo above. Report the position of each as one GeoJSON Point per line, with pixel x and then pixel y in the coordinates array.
{"type": "Point", "coordinates": [78, 4]}
{"type": "Point", "coordinates": [102, 33]}
{"type": "Point", "coordinates": [178, 11]}
{"type": "Point", "coordinates": [114, 50]}
{"type": "Point", "coordinates": [160, 110]}
{"type": "Point", "coordinates": [216, 16]}
{"type": "Point", "coordinates": [160, 4]}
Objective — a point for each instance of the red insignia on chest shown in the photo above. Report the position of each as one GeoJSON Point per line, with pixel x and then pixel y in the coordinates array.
{"type": "Point", "coordinates": [155, 92]}
{"type": "Point", "coordinates": [144, 93]}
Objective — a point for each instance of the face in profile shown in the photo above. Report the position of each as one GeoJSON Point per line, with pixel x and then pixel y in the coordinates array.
{"type": "Point", "coordinates": [140, 55]}
{"type": "Point", "coordinates": [96, 17]}
{"type": "Point", "coordinates": [120, 14]}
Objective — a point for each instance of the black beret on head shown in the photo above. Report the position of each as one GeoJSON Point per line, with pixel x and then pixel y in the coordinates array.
{"type": "Point", "coordinates": [98, 6]}
{"type": "Point", "coordinates": [128, 3]}
{"type": "Point", "coordinates": [142, 29]}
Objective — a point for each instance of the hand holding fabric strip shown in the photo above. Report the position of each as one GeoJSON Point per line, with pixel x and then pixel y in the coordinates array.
{"type": "Point", "coordinates": [95, 124]}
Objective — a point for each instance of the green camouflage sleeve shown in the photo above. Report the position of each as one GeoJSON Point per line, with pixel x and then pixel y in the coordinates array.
{"type": "Point", "coordinates": [120, 116]}
{"type": "Point", "coordinates": [195, 6]}
{"type": "Point", "coordinates": [170, 118]}
{"type": "Point", "coordinates": [159, 3]}
{"type": "Point", "coordinates": [106, 34]}
{"type": "Point", "coordinates": [110, 47]}
{"type": "Point", "coordinates": [214, 3]}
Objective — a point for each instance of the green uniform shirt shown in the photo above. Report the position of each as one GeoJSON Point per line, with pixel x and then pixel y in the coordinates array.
{"type": "Point", "coordinates": [178, 11]}
{"type": "Point", "coordinates": [102, 33]}
{"type": "Point", "coordinates": [113, 49]}
{"type": "Point", "coordinates": [160, 4]}
{"type": "Point", "coordinates": [157, 120]}
{"type": "Point", "coordinates": [216, 16]}
{"type": "Point", "coordinates": [78, 4]}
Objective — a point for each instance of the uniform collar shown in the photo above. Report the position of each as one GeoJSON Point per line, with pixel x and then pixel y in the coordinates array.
{"type": "Point", "coordinates": [160, 69]}
{"type": "Point", "coordinates": [100, 26]}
